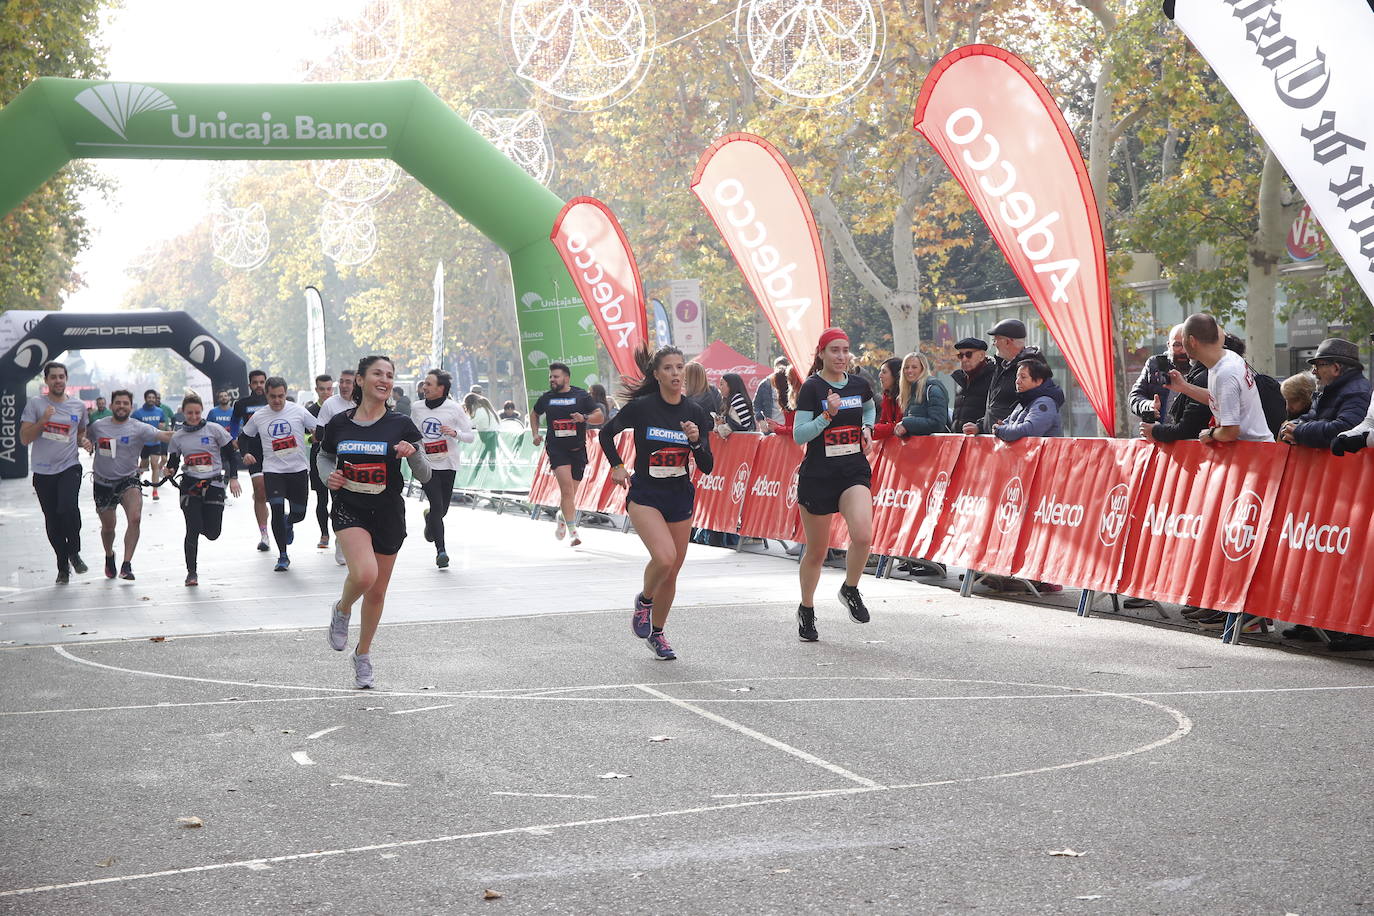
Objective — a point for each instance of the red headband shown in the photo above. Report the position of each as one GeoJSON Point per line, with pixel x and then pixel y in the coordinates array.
{"type": "Point", "coordinates": [828, 335]}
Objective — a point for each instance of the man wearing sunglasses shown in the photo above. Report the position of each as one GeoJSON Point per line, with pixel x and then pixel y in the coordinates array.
{"type": "Point", "coordinates": [973, 377]}
{"type": "Point", "coordinates": [1342, 398]}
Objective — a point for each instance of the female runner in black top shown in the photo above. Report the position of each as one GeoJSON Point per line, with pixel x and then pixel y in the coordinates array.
{"type": "Point", "coordinates": [360, 460]}
{"type": "Point", "coordinates": [668, 427]}
{"type": "Point", "coordinates": [834, 420]}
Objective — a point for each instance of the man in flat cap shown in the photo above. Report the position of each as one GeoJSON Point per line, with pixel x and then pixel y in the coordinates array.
{"type": "Point", "coordinates": [1009, 340]}
{"type": "Point", "coordinates": [972, 378]}
{"type": "Point", "coordinates": [1342, 397]}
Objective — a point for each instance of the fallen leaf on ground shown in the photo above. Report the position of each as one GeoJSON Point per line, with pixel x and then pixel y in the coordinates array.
{"type": "Point", "coordinates": [157, 639]}
{"type": "Point", "coordinates": [490, 894]}
{"type": "Point", "coordinates": [190, 822]}
{"type": "Point", "coordinates": [288, 731]}
{"type": "Point", "coordinates": [105, 863]}
{"type": "Point", "coordinates": [614, 776]}
{"type": "Point", "coordinates": [1066, 852]}
{"type": "Point", "coordinates": [63, 626]}
{"type": "Point", "coordinates": [661, 738]}
{"type": "Point", "coordinates": [145, 598]}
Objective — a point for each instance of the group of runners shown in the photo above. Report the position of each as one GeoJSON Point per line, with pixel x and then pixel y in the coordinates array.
{"type": "Point", "coordinates": [348, 447]}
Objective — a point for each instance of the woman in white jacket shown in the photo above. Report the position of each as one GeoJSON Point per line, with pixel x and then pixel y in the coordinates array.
{"type": "Point", "coordinates": [442, 424]}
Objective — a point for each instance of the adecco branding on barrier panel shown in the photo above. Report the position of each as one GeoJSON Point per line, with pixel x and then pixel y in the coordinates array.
{"type": "Point", "coordinates": [909, 492]}
{"type": "Point", "coordinates": [982, 523]}
{"type": "Point", "coordinates": [1198, 529]}
{"type": "Point", "coordinates": [717, 509]}
{"type": "Point", "coordinates": [1317, 566]}
{"type": "Point", "coordinates": [591, 492]}
{"type": "Point", "coordinates": [1079, 506]}
{"type": "Point", "coordinates": [770, 506]}
{"type": "Point", "coordinates": [615, 496]}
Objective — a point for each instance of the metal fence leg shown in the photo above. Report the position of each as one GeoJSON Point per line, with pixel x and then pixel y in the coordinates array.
{"type": "Point", "coordinates": [966, 588]}
{"type": "Point", "coordinates": [1085, 603]}
{"type": "Point", "coordinates": [1230, 633]}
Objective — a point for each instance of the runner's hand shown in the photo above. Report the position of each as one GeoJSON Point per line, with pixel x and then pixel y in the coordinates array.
{"type": "Point", "coordinates": [448, 431]}
{"type": "Point", "coordinates": [234, 489]}
{"type": "Point", "coordinates": [690, 428]}
{"type": "Point", "coordinates": [832, 403]}
{"type": "Point", "coordinates": [578, 417]}
{"type": "Point", "coordinates": [868, 438]}
{"type": "Point", "coordinates": [405, 449]}
{"type": "Point", "coordinates": [47, 414]}
{"type": "Point", "coordinates": [89, 446]}
{"type": "Point", "coordinates": [536, 438]}
{"type": "Point", "coordinates": [334, 481]}
{"type": "Point", "coordinates": [249, 459]}
{"type": "Point", "coordinates": [620, 477]}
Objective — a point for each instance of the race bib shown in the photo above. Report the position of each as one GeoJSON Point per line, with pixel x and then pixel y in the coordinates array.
{"type": "Point", "coordinates": [668, 462]}
{"type": "Point", "coordinates": [565, 428]}
{"type": "Point", "coordinates": [199, 460]}
{"type": "Point", "coordinates": [284, 443]}
{"type": "Point", "coordinates": [365, 478]}
{"type": "Point", "coordinates": [57, 432]}
{"type": "Point", "coordinates": [436, 447]}
{"type": "Point", "coordinates": [842, 440]}
{"type": "Point", "coordinates": [105, 447]}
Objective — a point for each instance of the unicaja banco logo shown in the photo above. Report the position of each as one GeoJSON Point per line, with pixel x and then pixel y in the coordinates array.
{"type": "Point", "coordinates": [1240, 525]}
{"type": "Point", "coordinates": [115, 103]}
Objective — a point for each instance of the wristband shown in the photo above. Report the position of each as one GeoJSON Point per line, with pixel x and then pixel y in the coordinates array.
{"type": "Point", "coordinates": [618, 467]}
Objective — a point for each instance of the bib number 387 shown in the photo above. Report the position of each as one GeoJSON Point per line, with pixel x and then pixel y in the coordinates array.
{"type": "Point", "coordinates": [365, 478]}
{"type": "Point", "coordinates": [668, 462]}
{"type": "Point", "coordinates": [842, 440]}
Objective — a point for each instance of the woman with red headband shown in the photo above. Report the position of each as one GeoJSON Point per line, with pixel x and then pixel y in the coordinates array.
{"type": "Point", "coordinates": [834, 420]}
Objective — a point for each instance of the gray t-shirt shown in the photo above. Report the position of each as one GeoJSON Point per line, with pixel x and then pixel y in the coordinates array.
{"type": "Point", "coordinates": [118, 447]}
{"type": "Point", "coordinates": [200, 450]}
{"type": "Point", "coordinates": [55, 448]}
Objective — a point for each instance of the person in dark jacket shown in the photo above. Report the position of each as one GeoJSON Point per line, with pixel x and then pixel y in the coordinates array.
{"type": "Point", "coordinates": [1038, 402]}
{"type": "Point", "coordinates": [1186, 418]}
{"type": "Point", "coordinates": [1149, 399]}
{"type": "Point", "coordinates": [1009, 340]}
{"type": "Point", "coordinates": [971, 379]}
{"type": "Point", "coordinates": [923, 399]}
{"type": "Point", "coordinates": [1342, 401]}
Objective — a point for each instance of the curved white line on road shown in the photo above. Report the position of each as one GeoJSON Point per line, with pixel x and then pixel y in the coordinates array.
{"type": "Point", "coordinates": [376, 782]}
{"type": "Point", "coordinates": [302, 758]}
{"type": "Point", "coordinates": [322, 732]}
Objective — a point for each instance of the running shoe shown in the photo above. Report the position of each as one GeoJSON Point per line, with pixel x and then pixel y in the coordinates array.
{"type": "Point", "coordinates": [339, 554]}
{"type": "Point", "coordinates": [1215, 621]}
{"type": "Point", "coordinates": [110, 570]}
{"type": "Point", "coordinates": [658, 644]}
{"type": "Point", "coordinates": [362, 671]}
{"type": "Point", "coordinates": [64, 576]}
{"type": "Point", "coordinates": [576, 541]}
{"type": "Point", "coordinates": [324, 542]}
{"type": "Point", "coordinates": [78, 564]}
{"type": "Point", "coordinates": [640, 623]}
{"type": "Point", "coordinates": [263, 545]}
{"type": "Point", "coordinates": [283, 562]}
{"type": "Point", "coordinates": [191, 580]}
{"type": "Point", "coordinates": [562, 528]}
{"type": "Point", "coordinates": [441, 560]}
{"type": "Point", "coordinates": [290, 532]}
{"type": "Point", "coordinates": [806, 624]}
{"type": "Point", "coordinates": [155, 496]}
{"type": "Point", "coordinates": [338, 629]}
{"type": "Point", "coordinates": [429, 535]}
{"type": "Point", "coordinates": [126, 571]}
{"type": "Point", "coordinates": [854, 602]}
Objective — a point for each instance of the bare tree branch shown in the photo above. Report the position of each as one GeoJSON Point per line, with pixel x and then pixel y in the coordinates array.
{"type": "Point", "coordinates": [844, 240]}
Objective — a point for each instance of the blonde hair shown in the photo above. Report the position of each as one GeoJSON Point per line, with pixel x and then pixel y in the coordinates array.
{"type": "Point", "coordinates": [1299, 387]}
{"type": "Point", "coordinates": [695, 378]}
{"type": "Point", "coordinates": [905, 395]}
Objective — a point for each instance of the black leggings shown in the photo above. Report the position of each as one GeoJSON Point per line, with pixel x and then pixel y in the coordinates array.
{"type": "Point", "coordinates": [439, 492]}
{"type": "Point", "coordinates": [321, 499]}
{"type": "Point", "coordinates": [58, 497]}
{"type": "Point", "coordinates": [286, 490]}
{"type": "Point", "coordinates": [203, 509]}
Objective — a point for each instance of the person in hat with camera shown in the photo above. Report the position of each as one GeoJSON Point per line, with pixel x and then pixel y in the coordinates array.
{"type": "Point", "coordinates": [1342, 398]}
{"type": "Point", "coordinates": [1009, 340]}
{"type": "Point", "coordinates": [972, 380]}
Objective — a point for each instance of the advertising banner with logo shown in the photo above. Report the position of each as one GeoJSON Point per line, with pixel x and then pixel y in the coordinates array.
{"type": "Point", "coordinates": [688, 315]}
{"type": "Point", "coordinates": [544, 486]}
{"type": "Point", "coordinates": [1198, 529]}
{"type": "Point", "coordinates": [1075, 529]}
{"type": "Point", "coordinates": [1300, 69]}
{"type": "Point", "coordinates": [720, 494]}
{"type": "Point", "coordinates": [1000, 133]}
{"type": "Point", "coordinates": [594, 249]}
{"type": "Point", "coordinates": [762, 213]}
{"type": "Point", "coordinates": [909, 489]}
{"type": "Point", "coordinates": [614, 502]}
{"type": "Point", "coordinates": [663, 328]}
{"type": "Point", "coordinates": [315, 357]}
{"type": "Point", "coordinates": [770, 508]}
{"type": "Point", "coordinates": [981, 526]}
{"type": "Point", "coordinates": [1317, 566]}
{"type": "Point", "coordinates": [596, 478]}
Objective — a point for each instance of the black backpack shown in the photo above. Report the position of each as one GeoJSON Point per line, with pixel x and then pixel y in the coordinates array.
{"type": "Point", "coordinates": [1271, 398]}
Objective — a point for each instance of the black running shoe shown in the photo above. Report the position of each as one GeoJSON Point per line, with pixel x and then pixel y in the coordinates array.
{"type": "Point", "coordinates": [127, 570]}
{"type": "Point", "coordinates": [64, 575]}
{"type": "Point", "coordinates": [110, 570]}
{"type": "Point", "coordinates": [78, 564]}
{"type": "Point", "coordinates": [854, 602]}
{"type": "Point", "coordinates": [806, 624]}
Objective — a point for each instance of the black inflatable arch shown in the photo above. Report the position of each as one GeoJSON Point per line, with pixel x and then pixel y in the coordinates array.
{"type": "Point", "coordinates": [63, 331]}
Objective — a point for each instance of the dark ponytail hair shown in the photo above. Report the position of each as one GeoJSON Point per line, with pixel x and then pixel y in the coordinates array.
{"type": "Point", "coordinates": [647, 364]}
{"type": "Point", "coordinates": [894, 369]}
{"type": "Point", "coordinates": [734, 384]}
{"type": "Point", "coordinates": [363, 365]}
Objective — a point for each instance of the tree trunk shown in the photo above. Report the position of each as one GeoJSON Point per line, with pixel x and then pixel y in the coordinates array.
{"type": "Point", "coordinates": [1266, 250]}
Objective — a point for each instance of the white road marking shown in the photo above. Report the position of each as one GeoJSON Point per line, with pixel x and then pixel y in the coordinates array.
{"type": "Point", "coordinates": [803, 792]}
{"type": "Point", "coordinates": [760, 736]}
{"type": "Point", "coordinates": [541, 795]}
{"type": "Point", "coordinates": [302, 758]}
{"type": "Point", "coordinates": [406, 712]}
{"type": "Point", "coordinates": [258, 866]}
{"type": "Point", "coordinates": [44, 712]}
{"type": "Point", "coordinates": [322, 732]}
{"type": "Point", "coordinates": [375, 782]}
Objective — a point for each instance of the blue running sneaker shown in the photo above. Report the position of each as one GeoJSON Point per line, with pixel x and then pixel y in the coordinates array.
{"type": "Point", "coordinates": [640, 623]}
{"type": "Point", "coordinates": [658, 644]}
{"type": "Point", "coordinates": [283, 562]}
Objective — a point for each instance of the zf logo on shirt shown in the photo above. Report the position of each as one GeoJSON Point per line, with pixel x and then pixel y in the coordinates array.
{"type": "Point", "coordinates": [282, 438]}
{"type": "Point", "coordinates": [432, 430]}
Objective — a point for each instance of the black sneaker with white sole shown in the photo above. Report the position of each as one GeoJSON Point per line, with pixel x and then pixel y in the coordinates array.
{"type": "Point", "coordinates": [854, 603]}
{"type": "Point", "coordinates": [806, 624]}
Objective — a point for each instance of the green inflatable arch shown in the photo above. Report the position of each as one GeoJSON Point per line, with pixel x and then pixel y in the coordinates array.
{"type": "Point", "coordinates": [53, 121]}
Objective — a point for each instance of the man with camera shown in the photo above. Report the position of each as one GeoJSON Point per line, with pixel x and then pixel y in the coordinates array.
{"type": "Point", "coordinates": [1150, 399]}
{"type": "Point", "coordinates": [1341, 401]}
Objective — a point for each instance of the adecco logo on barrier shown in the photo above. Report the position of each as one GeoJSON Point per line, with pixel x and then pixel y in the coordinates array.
{"type": "Point", "coordinates": [1239, 530]}
{"type": "Point", "coordinates": [711, 483]}
{"type": "Point", "coordinates": [935, 500]}
{"type": "Point", "coordinates": [1303, 534]}
{"type": "Point", "coordinates": [1114, 511]}
{"type": "Point", "coordinates": [1010, 505]}
{"type": "Point", "coordinates": [740, 485]}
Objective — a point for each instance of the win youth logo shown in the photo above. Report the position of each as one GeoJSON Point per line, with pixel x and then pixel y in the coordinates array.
{"type": "Point", "coordinates": [1114, 510]}
{"type": "Point", "coordinates": [1240, 525]}
{"type": "Point", "coordinates": [935, 500]}
{"type": "Point", "coordinates": [740, 485]}
{"type": "Point", "coordinates": [114, 104]}
{"type": "Point", "coordinates": [1011, 506]}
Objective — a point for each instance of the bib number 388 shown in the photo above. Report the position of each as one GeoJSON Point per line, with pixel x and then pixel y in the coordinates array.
{"type": "Point", "coordinates": [842, 440]}
{"type": "Point", "coordinates": [365, 478]}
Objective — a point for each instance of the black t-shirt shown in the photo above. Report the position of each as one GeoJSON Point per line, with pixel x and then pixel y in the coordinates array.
{"type": "Point", "coordinates": [244, 408]}
{"type": "Point", "coordinates": [839, 450]}
{"type": "Point", "coordinates": [562, 434]}
{"type": "Point", "coordinates": [367, 456]}
{"type": "Point", "coordinates": [661, 447]}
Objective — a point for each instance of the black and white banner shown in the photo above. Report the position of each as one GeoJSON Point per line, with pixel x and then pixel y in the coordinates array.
{"type": "Point", "coordinates": [1301, 70]}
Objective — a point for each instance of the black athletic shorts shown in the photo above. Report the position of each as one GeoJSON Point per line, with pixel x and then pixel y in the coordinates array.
{"type": "Point", "coordinates": [293, 487]}
{"type": "Point", "coordinates": [576, 460]}
{"type": "Point", "coordinates": [157, 448]}
{"type": "Point", "coordinates": [385, 521]}
{"type": "Point", "coordinates": [821, 495]}
{"type": "Point", "coordinates": [108, 495]}
{"type": "Point", "coordinates": [673, 503]}
{"type": "Point", "coordinates": [209, 490]}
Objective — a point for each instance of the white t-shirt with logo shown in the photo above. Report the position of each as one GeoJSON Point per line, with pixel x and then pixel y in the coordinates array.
{"type": "Point", "coordinates": [442, 451]}
{"type": "Point", "coordinates": [334, 404]}
{"type": "Point", "coordinates": [284, 448]}
{"type": "Point", "coordinates": [1235, 400]}
{"type": "Point", "coordinates": [55, 448]}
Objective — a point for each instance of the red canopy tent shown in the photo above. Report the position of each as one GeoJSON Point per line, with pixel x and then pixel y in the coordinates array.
{"type": "Point", "coordinates": [720, 358]}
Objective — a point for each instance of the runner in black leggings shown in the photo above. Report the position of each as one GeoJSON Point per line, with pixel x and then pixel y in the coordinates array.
{"type": "Point", "coordinates": [443, 424]}
{"type": "Point", "coordinates": [205, 449]}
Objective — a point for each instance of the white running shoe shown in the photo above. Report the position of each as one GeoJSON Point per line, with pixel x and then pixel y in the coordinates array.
{"type": "Point", "coordinates": [562, 528]}
{"type": "Point", "coordinates": [362, 671]}
{"type": "Point", "coordinates": [576, 541]}
{"type": "Point", "coordinates": [338, 629]}
{"type": "Point", "coordinates": [339, 554]}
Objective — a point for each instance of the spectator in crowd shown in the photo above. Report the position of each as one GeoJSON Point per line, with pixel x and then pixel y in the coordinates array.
{"type": "Point", "coordinates": [699, 388]}
{"type": "Point", "coordinates": [1009, 340]}
{"type": "Point", "coordinates": [889, 401]}
{"type": "Point", "coordinates": [1352, 440]}
{"type": "Point", "coordinates": [923, 398]}
{"type": "Point", "coordinates": [101, 411]}
{"type": "Point", "coordinates": [765, 399]}
{"type": "Point", "coordinates": [1038, 402]}
{"type": "Point", "coordinates": [1237, 412]}
{"type": "Point", "coordinates": [1150, 399]}
{"type": "Point", "coordinates": [1342, 401]}
{"type": "Point", "coordinates": [508, 412]}
{"type": "Point", "coordinates": [485, 421]}
{"type": "Point", "coordinates": [475, 389]}
{"type": "Point", "coordinates": [403, 402]}
{"type": "Point", "coordinates": [598, 393]}
{"type": "Point", "coordinates": [737, 413]}
{"type": "Point", "coordinates": [971, 381]}
{"type": "Point", "coordinates": [785, 383]}
{"type": "Point", "coordinates": [1298, 393]}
